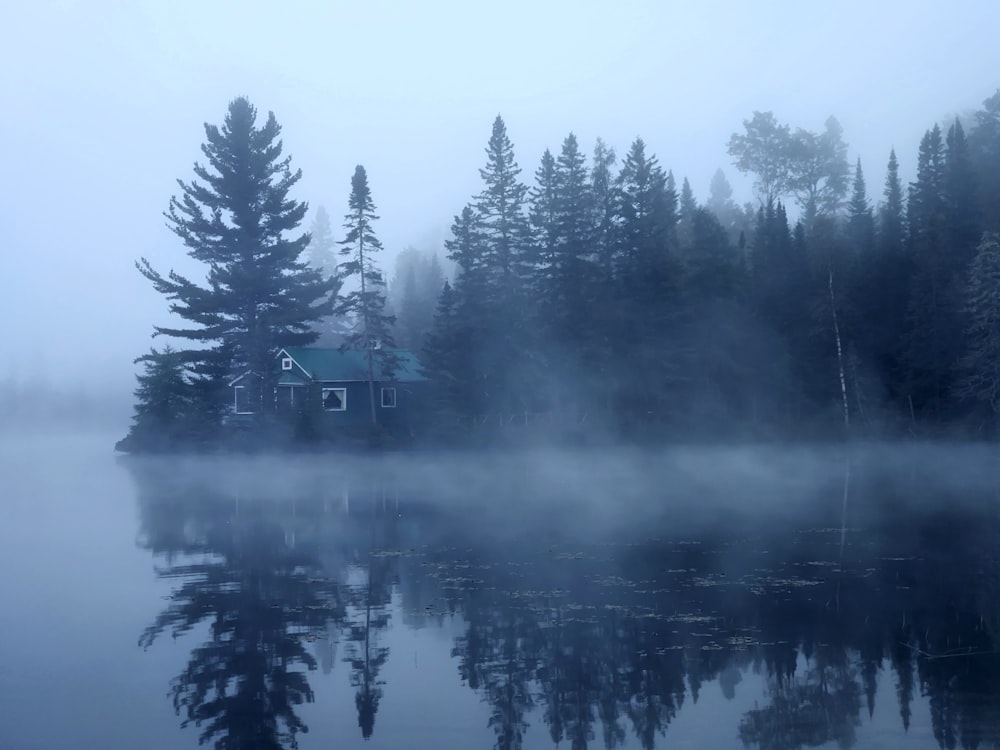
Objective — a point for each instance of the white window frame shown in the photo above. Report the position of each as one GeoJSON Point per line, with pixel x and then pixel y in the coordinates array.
{"type": "Point", "coordinates": [236, 400]}
{"type": "Point", "coordinates": [343, 399]}
{"type": "Point", "coordinates": [286, 363]}
{"type": "Point", "coordinates": [382, 399]}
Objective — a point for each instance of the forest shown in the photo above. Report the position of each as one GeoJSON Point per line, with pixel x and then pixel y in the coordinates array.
{"type": "Point", "coordinates": [601, 300]}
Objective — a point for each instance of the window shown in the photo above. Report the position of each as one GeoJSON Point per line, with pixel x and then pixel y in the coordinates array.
{"type": "Point", "coordinates": [242, 400]}
{"type": "Point", "coordinates": [388, 398]}
{"type": "Point", "coordinates": [286, 363]}
{"type": "Point", "coordinates": [334, 399]}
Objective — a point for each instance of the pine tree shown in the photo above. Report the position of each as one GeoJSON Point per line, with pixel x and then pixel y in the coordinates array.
{"type": "Point", "coordinates": [546, 237]}
{"type": "Point", "coordinates": [467, 249]}
{"type": "Point", "coordinates": [686, 212]}
{"type": "Point", "coordinates": [648, 279]}
{"type": "Point", "coordinates": [236, 219]}
{"type": "Point", "coordinates": [505, 235]}
{"type": "Point", "coordinates": [446, 360]}
{"type": "Point", "coordinates": [720, 202]}
{"type": "Point", "coordinates": [365, 304]}
{"type": "Point", "coordinates": [603, 191]}
{"type": "Point", "coordinates": [932, 341]}
{"type": "Point", "coordinates": [963, 225]}
{"type": "Point", "coordinates": [577, 278]}
{"type": "Point", "coordinates": [984, 148]}
{"type": "Point", "coordinates": [467, 309]}
{"type": "Point", "coordinates": [500, 208]}
{"type": "Point", "coordinates": [322, 244]}
{"type": "Point", "coordinates": [861, 224]}
{"type": "Point", "coordinates": [980, 365]}
{"type": "Point", "coordinates": [575, 208]}
{"type": "Point", "coordinates": [892, 223]}
{"type": "Point", "coordinates": [163, 406]}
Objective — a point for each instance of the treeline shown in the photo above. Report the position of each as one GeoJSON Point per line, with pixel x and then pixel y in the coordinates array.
{"type": "Point", "coordinates": [604, 295]}
{"type": "Point", "coordinates": [604, 300]}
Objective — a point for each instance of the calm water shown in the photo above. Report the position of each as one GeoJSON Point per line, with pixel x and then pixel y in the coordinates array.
{"type": "Point", "coordinates": [722, 598]}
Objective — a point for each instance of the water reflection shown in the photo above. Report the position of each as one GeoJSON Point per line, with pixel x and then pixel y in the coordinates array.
{"type": "Point", "coordinates": [599, 637]}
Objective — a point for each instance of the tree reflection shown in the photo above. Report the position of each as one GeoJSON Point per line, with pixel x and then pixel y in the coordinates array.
{"type": "Point", "coordinates": [240, 572]}
{"type": "Point", "coordinates": [592, 644]}
{"type": "Point", "coordinates": [369, 604]}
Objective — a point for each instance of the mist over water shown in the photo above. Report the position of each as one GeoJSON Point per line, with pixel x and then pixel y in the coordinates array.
{"type": "Point", "coordinates": [626, 598]}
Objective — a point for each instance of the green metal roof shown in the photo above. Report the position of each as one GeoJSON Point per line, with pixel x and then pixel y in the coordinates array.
{"type": "Point", "coordinates": [332, 364]}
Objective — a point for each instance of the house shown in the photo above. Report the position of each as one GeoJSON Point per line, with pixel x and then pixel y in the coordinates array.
{"type": "Point", "coordinates": [333, 385]}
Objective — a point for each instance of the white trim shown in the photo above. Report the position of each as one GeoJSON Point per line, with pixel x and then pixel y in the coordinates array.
{"type": "Point", "coordinates": [394, 396]}
{"type": "Point", "coordinates": [286, 364]}
{"type": "Point", "coordinates": [238, 378]}
{"type": "Point", "coordinates": [236, 399]}
{"type": "Point", "coordinates": [285, 355]}
{"type": "Point", "coordinates": [343, 400]}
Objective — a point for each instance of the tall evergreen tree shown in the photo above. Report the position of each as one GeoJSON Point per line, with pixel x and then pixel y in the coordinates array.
{"type": "Point", "coordinates": [686, 211]}
{"type": "Point", "coordinates": [500, 207]}
{"type": "Point", "coordinates": [602, 187]}
{"type": "Point", "coordinates": [984, 147]}
{"type": "Point", "coordinates": [466, 309]}
{"type": "Point", "coordinates": [577, 279]}
{"type": "Point", "coordinates": [322, 245]}
{"type": "Point", "coordinates": [720, 202]}
{"type": "Point", "coordinates": [365, 304]}
{"type": "Point", "coordinates": [237, 218]}
{"type": "Point", "coordinates": [447, 361]}
{"type": "Point", "coordinates": [546, 236]}
{"type": "Point", "coordinates": [505, 235]}
{"type": "Point", "coordinates": [648, 272]}
{"type": "Point", "coordinates": [163, 405]}
{"type": "Point", "coordinates": [932, 341]}
{"type": "Point", "coordinates": [860, 222]}
{"type": "Point", "coordinates": [892, 223]}
{"type": "Point", "coordinates": [688, 205]}
{"type": "Point", "coordinates": [963, 225]}
{"type": "Point", "coordinates": [980, 365]}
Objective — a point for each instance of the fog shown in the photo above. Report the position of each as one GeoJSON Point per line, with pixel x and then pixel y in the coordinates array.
{"type": "Point", "coordinates": [105, 105]}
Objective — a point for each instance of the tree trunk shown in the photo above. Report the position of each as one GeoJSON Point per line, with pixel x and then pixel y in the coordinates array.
{"type": "Point", "coordinates": [840, 356]}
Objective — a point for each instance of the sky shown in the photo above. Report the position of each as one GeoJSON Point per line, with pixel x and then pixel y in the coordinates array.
{"type": "Point", "coordinates": [105, 104]}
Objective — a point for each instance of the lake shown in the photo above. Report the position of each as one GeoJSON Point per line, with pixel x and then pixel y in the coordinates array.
{"type": "Point", "coordinates": [744, 597]}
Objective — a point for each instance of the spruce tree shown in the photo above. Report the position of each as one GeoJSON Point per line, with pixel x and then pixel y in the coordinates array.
{"type": "Point", "coordinates": [505, 235]}
{"type": "Point", "coordinates": [962, 212]}
{"type": "Point", "coordinates": [322, 245]}
{"type": "Point", "coordinates": [467, 309]}
{"type": "Point", "coordinates": [861, 224]}
{"type": "Point", "coordinates": [371, 329]}
{"type": "Point", "coordinates": [980, 365]}
{"type": "Point", "coordinates": [892, 224]}
{"type": "Point", "coordinates": [602, 186]}
{"type": "Point", "coordinates": [577, 278]}
{"type": "Point", "coordinates": [546, 237]}
{"type": "Point", "coordinates": [932, 341]}
{"type": "Point", "coordinates": [500, 208]}
{"type": "Point", "coordinates": [984, 149]}
{"type": "Point", "coordinates": [648, 277]}
{"type": "Point", "coordinates": [447, 360]}
{"type": "Point", "coordinates": [239, 220]}
{"type": "Point", "coordinates": [720, 202]}
{"type": "Point", "coordinates": [163, 405]}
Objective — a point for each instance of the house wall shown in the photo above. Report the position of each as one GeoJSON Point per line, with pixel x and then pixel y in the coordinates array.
{"type": "Point", "coordinates": [358, 413]}
{"type": "Point", "coordinates": [404, 416]}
